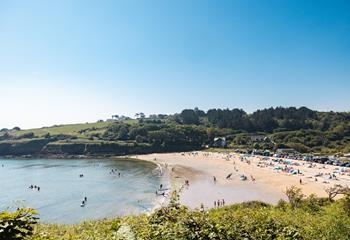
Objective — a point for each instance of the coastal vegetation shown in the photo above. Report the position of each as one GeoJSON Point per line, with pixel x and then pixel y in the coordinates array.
{"type": "Point", "coordinates": [300, 218]}
{"type": "Point", "coordinates": [302, 129]}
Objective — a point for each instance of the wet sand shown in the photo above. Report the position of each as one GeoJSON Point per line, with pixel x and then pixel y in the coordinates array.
{"type": "Point", "coordinates": [199, 168]}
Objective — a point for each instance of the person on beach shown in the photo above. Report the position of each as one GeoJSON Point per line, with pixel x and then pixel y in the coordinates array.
{"type": "Point", "coordinates": [223, 202]}
{"type": "Point", "coordinates": [85, 199]}
{"type": "Point", "coordinates": [301, 181]}
{"type": "Point", "coordinates": [160, 186]}
{"type": "Point", "coordinates": [214, 179]}
{"type": "Point", "coordinates": [214, 204]}
{"type": "Point", "coordinates": [38, 189]}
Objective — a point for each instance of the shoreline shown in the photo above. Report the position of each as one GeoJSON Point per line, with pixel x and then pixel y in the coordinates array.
{"type": "Point", "coordinates": [201, 191]}
{"type": "Point", "coordinates": [200, 167]}
{"type": "Point", "coordinates": [271, 177]}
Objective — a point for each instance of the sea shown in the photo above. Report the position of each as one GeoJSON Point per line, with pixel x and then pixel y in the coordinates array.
{"type": "Point", "coordinates": [112, 187]}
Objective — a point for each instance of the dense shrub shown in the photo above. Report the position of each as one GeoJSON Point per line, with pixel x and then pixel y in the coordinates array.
{"type": "Point", "coordinates": [312, 218]}
{"type": "Point", "coordinates": [18, 224]}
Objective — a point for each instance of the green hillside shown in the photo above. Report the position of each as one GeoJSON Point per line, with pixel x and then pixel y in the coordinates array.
{"type": "Point", "coordinates": [302, 129]}
{"type": "Point", "coordinates": [69, 129]}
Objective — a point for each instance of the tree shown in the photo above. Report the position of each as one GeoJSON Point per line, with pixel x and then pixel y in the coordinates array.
{"type": "Point", "coordinates": [137, 131]}
{"type": "Point", "coordinates": [336, 190]}
{"type": "Point", "coordinates": [295, 196]}
{"type": "Point", "coordinates": [199, 113]}
{"type": "Point", "coordinates": [123, 133]}
{"type": "Point", "coordinates": [140, 115]}
{"type": "Point", "coordinates": [189, 116]}
{"type": "Point", "coordinates": [116, 117]}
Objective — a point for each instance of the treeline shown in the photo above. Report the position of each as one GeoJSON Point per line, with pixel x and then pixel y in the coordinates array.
{"type": "Point", "coordinates": [303, 129]}
{"type": "Point", "coordinates": [157, 133]}
{"type": "Point", "coordinates": [267, 120]}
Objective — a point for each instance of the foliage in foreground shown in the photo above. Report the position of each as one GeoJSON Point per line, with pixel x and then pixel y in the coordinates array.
{"type": "Point", "coordinates": [304, 218]}
{"type": "Point", "coordinates": [18, 224]}
{"type": "Point", "coordinates": [311, 218]}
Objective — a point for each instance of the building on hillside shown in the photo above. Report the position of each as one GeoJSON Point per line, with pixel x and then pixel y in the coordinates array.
{"type": "Point", "coordinates": [219, 142]}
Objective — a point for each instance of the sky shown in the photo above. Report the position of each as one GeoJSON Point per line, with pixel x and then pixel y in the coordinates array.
{"type": "Point", "coordinates": [72, 61]}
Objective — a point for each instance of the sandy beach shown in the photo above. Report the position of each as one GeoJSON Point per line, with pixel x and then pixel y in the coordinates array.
{"type": "Point", "coordinates": [267, 178]}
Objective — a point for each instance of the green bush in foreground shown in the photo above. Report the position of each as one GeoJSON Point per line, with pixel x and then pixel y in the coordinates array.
{"type": "Point", "coordinates": [312, 218]}
{"type": "Point", "coordinates": [18, 224]}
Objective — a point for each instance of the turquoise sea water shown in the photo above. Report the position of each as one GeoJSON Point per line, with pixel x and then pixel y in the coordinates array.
{"type": "Point", "coordinates": [62, 190]}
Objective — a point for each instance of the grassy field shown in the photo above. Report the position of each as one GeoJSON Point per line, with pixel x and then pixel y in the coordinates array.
{"type": "Point", "coordinates": [69, 129]}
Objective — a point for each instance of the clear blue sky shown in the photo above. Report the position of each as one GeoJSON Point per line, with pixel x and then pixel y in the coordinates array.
{"type": "Point", "coordinates": [75, 61]}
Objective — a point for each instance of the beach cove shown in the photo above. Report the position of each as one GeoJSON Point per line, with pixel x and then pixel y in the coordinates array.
{"type": "Point", "coordinates": [266, 180]}
{"type": "Point", "coordinates": [119, 186]}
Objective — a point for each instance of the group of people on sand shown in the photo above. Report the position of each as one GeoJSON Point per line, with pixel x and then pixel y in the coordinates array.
{"type": "Point", "coordinates": [219, 203]}
{"type": "Point", "coordinates": [34, 187]}
{"type": "Point", "coordinates": [289, 166]}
